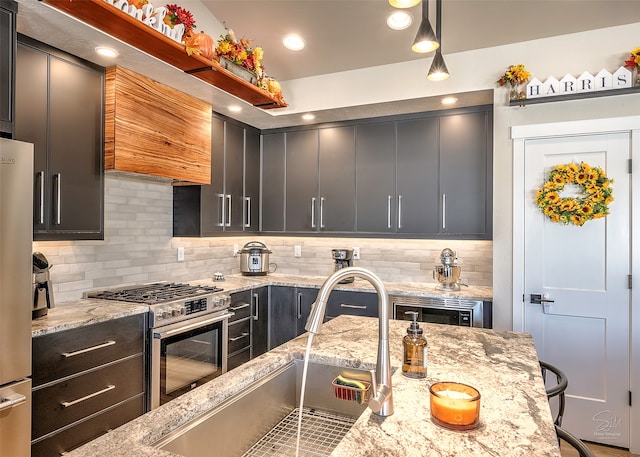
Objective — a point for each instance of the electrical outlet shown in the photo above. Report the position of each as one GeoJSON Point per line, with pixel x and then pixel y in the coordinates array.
{"type": "Point", "coordinates": [180, 254]}
{"type": "Point", "coordinates": [356, 253]}
{"type": "Point", "coordinates": [297, 251]}
{"type": "Point", "coordinates": [235, 249]}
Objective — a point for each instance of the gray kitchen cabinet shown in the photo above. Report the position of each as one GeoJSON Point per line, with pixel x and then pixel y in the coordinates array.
{"type": "Point", "coordinates": [86, 381]}
{"type": "Point", "coordinates": [272, 192]}
{"type": "Point", "coordinates": [260, 322]}
{"type": "Point", "coordinates": [353, 303]}
{"type": "Point", "coordinates": [229, 203]}
{"type": "Point", "coordinates": [282, 315]}
{"type": "Point", "coordinates": [59, 108]}
{"type": "Point", "coordinates": [465, 174]}
{"type": "Point", "coordinates": [305, 298]}
{"type": "Point", "coordinates": [301, 177]}
{"type": "Point", "coordinates": [8, 36]}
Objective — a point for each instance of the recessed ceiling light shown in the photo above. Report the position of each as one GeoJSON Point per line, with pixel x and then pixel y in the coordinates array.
{"type": "Point", "coordinates": [403, 3]}
{"type": "Point", "coordinates": [399, 20]}
{"type": "Point", "coordinates": [308, 117]}
{"type": "Point", "coordinates": [449, 100]}
{"type": "Point", "coordinates": [107, 52]}
{"type": "Point", "coordinates": [293, 42]}
{"type": "Point", "coordinates": [235, 108]}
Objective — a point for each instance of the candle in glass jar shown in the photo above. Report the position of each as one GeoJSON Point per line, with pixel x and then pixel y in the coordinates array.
{"type": "Point", "coordinates": [455, 405]}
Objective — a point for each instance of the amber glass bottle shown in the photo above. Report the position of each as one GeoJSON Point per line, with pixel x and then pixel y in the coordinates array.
{"type": "Point", "coordinates": [414, 364]}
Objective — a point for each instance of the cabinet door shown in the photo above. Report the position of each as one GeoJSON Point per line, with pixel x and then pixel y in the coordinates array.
{"type": "Point", "coordinates": [212, 204]}
{"type": "Point", "coordinates": [31, 124]}
{"type": "Point", "coordinates": [302, 205]}
{"type": "Point", "coordinates": [273, 180]}
{"type": "Point", "coordinates": [282, 316]}
{"type": "Point", "coordinates": [375, 177]}
{"type": "Point", "coordinates": [75, 147]}
{"type": "Point", "coordinates": [352, 303]}
{"type": "Point", "coordinates": [337, 176]}
{"type": "Point", "coordinates": [233, 175]}
{"type": "Point", "coordinates": [8, 11]}
{"type": "Point", "coordinates": [465, 169]}
{"type": "Point", "coordinates": [251, 204]}
{"type": "Point", "coordinates": [305, 297]}
{"type": "Point", "coordinates": [417, 176]}
{"type": "Point", "coordinates": [260, 322]}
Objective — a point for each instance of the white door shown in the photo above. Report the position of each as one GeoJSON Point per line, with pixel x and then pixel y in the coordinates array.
{"type": "Point", "coordinates": [585, 271]}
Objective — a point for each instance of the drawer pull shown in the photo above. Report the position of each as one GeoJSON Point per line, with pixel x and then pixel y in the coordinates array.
{"type": "Point", "coordinates": [66, 404]}
{"type": "Point", "coordinates": [11, 400]}
{"type": "Point", "coordinates": [89, 349]}
{"type": "Point", "coordinates": [344, 305]}
{"type": "Point", "coordinates": [242, 306]}
{"type": "Point", "coordinates": [243, 335]}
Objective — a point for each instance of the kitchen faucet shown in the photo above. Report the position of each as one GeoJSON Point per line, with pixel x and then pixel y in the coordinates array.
{"type": "Point", "coordinates": [381, 401]}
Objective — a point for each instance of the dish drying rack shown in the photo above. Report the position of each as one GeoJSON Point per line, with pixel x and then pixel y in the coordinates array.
{"type": "Point", "coordinates": [348, 393]}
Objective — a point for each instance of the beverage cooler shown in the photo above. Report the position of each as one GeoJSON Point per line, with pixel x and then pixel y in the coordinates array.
{"type": "Point", "coordinates": [16, 228]}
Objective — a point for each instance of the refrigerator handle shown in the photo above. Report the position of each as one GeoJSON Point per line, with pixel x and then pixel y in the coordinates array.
{"type": "Point", "coordinates": [12, 400]}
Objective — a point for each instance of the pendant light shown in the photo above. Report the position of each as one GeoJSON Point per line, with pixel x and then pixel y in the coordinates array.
{"type": "Point", "coordinates": [438, 70]}
{"type": "Point", "coordinates": [426, 40]}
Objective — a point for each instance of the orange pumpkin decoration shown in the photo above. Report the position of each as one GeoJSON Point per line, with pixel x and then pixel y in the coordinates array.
{"type": "Point", "coordinates": [200, 44]}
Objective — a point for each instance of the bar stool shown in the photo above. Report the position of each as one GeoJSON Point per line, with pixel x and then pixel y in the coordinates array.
{"type": "Point", "coordinates": [574, 442]}
{"type": "Point", "coordinates": [557, 390]}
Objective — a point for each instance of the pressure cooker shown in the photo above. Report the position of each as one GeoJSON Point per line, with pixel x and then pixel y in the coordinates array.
{"type": "Point", "coordinates": [254, 259]}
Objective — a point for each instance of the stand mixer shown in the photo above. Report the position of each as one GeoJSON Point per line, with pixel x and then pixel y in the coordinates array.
{"type": "Point", "coordinates": [448, 272]}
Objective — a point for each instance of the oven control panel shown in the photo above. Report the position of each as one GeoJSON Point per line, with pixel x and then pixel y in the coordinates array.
{"type": "Point", "coordinates": [169, 313]}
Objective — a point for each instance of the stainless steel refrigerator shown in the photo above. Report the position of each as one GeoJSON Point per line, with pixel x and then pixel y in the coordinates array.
{"type": "Point", "coordinates": [16, 236]}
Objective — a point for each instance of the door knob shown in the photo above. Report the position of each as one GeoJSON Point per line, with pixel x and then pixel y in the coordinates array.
{"type": "Point", "coordinates": [543, 300]}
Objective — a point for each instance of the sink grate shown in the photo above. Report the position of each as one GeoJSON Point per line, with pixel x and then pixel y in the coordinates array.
{"type": "Point", "coordinates": [321, 433]}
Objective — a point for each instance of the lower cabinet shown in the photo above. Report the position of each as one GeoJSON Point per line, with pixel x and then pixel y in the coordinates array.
{"type": "Point", "coordinates": [86, 381]}
{"type": "Point", "coordinates": [282, 316]}
{"type": "Point", "coordinates": [248, 327]}
{"type": "Point", "coordinates": [260, 322]}
{"type": "Point", "coordinates": [353, 303]}
{"type": "Point", "coordinates": [305, 298]}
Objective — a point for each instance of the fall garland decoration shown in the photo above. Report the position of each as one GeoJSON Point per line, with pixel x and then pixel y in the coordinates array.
{"type": "Point", "coordinates": [592, 198]}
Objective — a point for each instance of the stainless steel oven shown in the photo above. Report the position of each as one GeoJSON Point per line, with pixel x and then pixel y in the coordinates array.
{"type": "Point", "coordinates": [188, 335]}
{"type": "Point", "coordinates": [444, 310]}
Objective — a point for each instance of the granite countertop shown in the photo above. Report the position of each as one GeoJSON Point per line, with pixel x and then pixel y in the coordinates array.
{"type": "Point", "coordinates": [515, 418]}
{"type": "Point", "coordinates": [92, 311]}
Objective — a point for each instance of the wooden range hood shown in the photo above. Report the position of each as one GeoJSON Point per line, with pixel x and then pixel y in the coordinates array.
{"type": "Point", "coordinates": [155, 130]}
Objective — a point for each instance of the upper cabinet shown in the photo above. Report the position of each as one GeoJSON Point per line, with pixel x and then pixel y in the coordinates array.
{"type": "Point", "coordinates": [59, 108]}
{"type": "Point", "coordinates": [155, 130]}
{"type": "Point", "coordinates": [8, 11]}
{"type": "Point", "coordinates": [231, 202]}
{"type": "Point", "coordinates": [423, 175]}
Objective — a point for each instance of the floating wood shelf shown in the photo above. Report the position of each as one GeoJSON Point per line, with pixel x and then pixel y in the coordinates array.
{"type": "Point", "coordinates": [120, 25]}
{"type": "Point", "coordinates": [578, 96]}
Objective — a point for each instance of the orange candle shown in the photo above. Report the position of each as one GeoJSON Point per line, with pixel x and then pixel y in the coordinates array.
{"type": "Point", "coordinates": [454, 405]}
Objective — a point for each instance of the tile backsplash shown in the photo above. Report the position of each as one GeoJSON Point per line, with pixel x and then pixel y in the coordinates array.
{"type": "Point", "coordinates": [139, 247]}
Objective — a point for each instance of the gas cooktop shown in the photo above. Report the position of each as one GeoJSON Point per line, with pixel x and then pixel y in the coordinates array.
{"type": "Point", "coordinates": [154, 293]}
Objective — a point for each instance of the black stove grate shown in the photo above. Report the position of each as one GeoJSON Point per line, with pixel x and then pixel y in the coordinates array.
{"type": "Point", "coordinates": [154, 293]}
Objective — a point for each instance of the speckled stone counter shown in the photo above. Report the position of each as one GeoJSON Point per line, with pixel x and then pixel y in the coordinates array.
{"type": "Point", "coordinates": [514, 420]}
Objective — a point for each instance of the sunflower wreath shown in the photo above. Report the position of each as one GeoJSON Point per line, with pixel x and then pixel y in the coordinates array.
{"type": "Point", "coordinates": [594, 194]}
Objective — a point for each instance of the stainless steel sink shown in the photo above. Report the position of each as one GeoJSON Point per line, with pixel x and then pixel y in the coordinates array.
{"type": "Point", "coordinates": [263, 419]}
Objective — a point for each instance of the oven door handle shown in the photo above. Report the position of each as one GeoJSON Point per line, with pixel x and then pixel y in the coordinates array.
{"type": "Point", "coordinates": [187, 327]}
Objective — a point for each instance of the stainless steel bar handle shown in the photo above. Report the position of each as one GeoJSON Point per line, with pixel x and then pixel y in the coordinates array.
{"type": "Point", "coordinates": [444, 211]}
{"type": "Point", "coordinates": [89, 349]}
{"type": "Point", "coordinates": [299, 305]}
{"type": "Point", "coordinates": [313, 212]}
{"type": "Point", "coordinates": [399, 211]}
{"type": "Point", "coordinates": [12, 400]}
{"type": "Point", "coordinates": [242, 335]}
{"type": "Point", "coordinates": [321, 212]}
{"type": "Point", "coordinates": [345, 305]}
{"type": "Point", "coordinates": [66, 404]}
{"type": "Point", "coordinates": [220, 222]}
{"type": "Point", "coordinates": [192, 326]}
{"type": "Point", "coordinates": [248, 208]}
{"type": "Point", "coordinates": [256, 302]}
{"type": "Point", "coordinates": [41, 179]}
{"type": "Point", "coordinates": [228, 224]}
{"type": "Point", "coordinates": [58, 197]}
{"type": "Point", "coordinates": [242, 306]}
{"type": "Point", "coordinates": [389, 211]}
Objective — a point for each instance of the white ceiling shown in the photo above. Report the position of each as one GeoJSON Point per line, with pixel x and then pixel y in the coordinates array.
{"type": "Point", "coordinates": [340, 35]}
{"type": "Point", "coordinates": [351, 34]}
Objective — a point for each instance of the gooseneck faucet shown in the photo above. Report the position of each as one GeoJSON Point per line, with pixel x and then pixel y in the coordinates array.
{"type": "Point", "coordinates": [381, 401]}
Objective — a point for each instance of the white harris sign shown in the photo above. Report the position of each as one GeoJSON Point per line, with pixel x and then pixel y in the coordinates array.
{"type": "Point", "coordinates": [586, 82]}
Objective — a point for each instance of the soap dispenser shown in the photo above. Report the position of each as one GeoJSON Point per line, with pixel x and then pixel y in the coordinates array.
{"type": "Point", "coordinates": [414, 364]}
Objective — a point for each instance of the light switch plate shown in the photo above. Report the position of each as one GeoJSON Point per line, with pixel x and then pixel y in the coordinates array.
{"type": "Point", "coordinates": [235, 249]}
{"type": "Point", "coordinates": [356, 253]}
{"type": "Point", "coordinates": [180, 254]}
{"type": "Point", "coordinates": [297, 251]}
